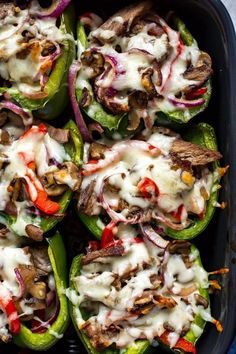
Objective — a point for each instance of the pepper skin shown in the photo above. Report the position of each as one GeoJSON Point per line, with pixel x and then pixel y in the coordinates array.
{"type": "Point", "coordinates": [202, 134]}
{"type": "Point", "coordinates": [140, 346]}
{"type": "Point", "coordinates": [43, 341]}
{"type": "Point", "coordinates": [56, 88]}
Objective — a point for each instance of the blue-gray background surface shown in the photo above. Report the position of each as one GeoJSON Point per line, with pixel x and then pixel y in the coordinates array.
{"type": "Point", "coordinates": [231, 6]}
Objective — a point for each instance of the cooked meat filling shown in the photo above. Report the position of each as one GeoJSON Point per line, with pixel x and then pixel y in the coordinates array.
{"type": "Point", "coordinates": [135, 63]}
{"type": "Point", "coordinates": [161, 178]}
{"type": "Point", "coordinates": [142, 294]}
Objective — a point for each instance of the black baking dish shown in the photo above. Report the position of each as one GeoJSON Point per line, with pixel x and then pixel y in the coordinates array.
{"type": "Point", "coordinates": [210, 24]}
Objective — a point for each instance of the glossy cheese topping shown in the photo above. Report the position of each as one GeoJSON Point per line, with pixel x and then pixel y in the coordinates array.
{"type": "Point", "coordinates": [172, 297]}
{"type": "Point", "coordinates": [131, 173]}
{"type": "Point", "coordinates": [46, 154]}
{"type": "Point", "coordinates": [143, 60]}
{"type": "Point", "coordinates": [28, 48]}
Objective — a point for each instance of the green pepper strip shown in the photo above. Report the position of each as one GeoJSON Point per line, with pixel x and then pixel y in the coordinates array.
{"type": "Point", "coordinates": [140, 346]}
{"type": "Point", "coordinates": [43, 341]}
{"type": "Point", "coordinates": [96, 111]}
{"type": "Point", "coordinates": [184, 116]}
{"type": "Point", "coordinates": [56, 88]}
{"type": "Point", "coordinates": [202, 134]}
{"type": "Point", "coordinates": [75, 149]}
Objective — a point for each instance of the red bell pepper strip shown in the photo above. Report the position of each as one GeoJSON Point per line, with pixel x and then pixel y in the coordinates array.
{"type": "Point", "coordinates": [108, 234]}
{"type": "Point", "coordinates": [41, 128]}
{"type": "Point", "coordinates": [148, 188]}
{"type": "Point", "coordinates": [8, 307]}
{"type": "Point", "coordinates": [178, 213]}
{"type": "Point", "coordinates": [46, 205]}
{"type": "Point", "coordinates": [196, 93]}
{"type": "Point", "coordinates": [181, 344]}
{"type": "Point", "coordinates": [37, 193]}
{"type": "Point", "coordinates": [93, 246]}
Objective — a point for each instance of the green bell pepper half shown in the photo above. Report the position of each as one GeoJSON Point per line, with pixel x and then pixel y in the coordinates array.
{"type": "Point", "coordinates": [56, 88]}
{"type": "Point", "coordinates": [74, 148]}
{"type": "Point", "coordinates": [202, 134]}
{"type": "Point", "coordinates": [95, 109]}
{"type": "Point", "coordinates": [107, 120]}
{"type": "Point", "coordinates": [140, 346]}
{"type": "Point", "coordinates": [43, 341]}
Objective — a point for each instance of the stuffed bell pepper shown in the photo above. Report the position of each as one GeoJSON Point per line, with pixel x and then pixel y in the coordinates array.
{"type": "Point", "coordinates": [134, 65]}
{"type": "Point", "coordinates": [38, 173]}
{"type": "Point", "coordinates": [157, 177]}
{"type": "Point", "coordinates": [33, 306]}
{"type": "Point", "coordinates": [36, 50]}
{"type": "Point", "coordinates": [135, 292]}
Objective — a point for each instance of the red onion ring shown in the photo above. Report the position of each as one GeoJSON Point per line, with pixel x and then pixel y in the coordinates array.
{"type": "Point", "coordinates": [55, 10]}
{"type": "Point", "coordinates": [183, 104]}
{"type": "Point", "coordinates": [161, 218]}
{"type": "Point", "coordinates": [44, 325]}
{"type": "Point", "coordinates": [149, 233]}
{"type": "Point", "coordinates": [21, 283]}
{"type": "Point", "coordinates": [27, 117]}
{"type": "Point", "coordinates": [75, 67]}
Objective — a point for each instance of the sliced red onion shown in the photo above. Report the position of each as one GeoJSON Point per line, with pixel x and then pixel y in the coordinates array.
{"type": "Point", "coordinates": [153, 236]}
{"type": "Point", "coordinates": [75, 67]}
{"type": "Point", "coordinates": [50, 297]}
{"type": "Point", "coordinates": [183, 104]}
{"type": "Point", "coordinates": [55, 10]}
{"type": "Point", "coordinates": [117, 217]}
{"type": "Point", "coordinates": [27, 117]}
{"type": "Point", "coordinates": [161, 218]}
{"type": "Point", "coordinates": [45, 325]}
{"type": "Point", "coordinates": [21, 283]}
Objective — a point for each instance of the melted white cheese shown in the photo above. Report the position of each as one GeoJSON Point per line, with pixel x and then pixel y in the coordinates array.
{"type": "Point", "coordinates": [134, 164]}
{"type": "Point", "coordinates": [96, 289]}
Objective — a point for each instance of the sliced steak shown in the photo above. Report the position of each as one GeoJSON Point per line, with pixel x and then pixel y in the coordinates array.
{"type": "Point", "coordinates": [34, 232]}
{"type": "Point", "coordinates": [202, 71]}
{"type": "Point", "coordinates": [114, 251]}
{"type": "Point", "coordinates": [60, 135]}
{"type": "Point", "coordinates": [196, 154]}
{"type": "Point", "coordinates": [96, 151]}
{"type": "Point", "coordinates": [128, 14]}
{"type": "Point", "coordinates": [41, 259]}
{"type": "Point", "coordinates": [87, 199]}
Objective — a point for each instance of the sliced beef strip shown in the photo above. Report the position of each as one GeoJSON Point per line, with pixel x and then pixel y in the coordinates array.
{"type": "Point", "coordinates": [5, 138]}
{"type": "Point", "coordinates": [201, 72]}
{"type": "Point", "coordinates": [96, 151]}
{"type": "Point", "coordinates": [128, 14]}
{"type": "Point", "coordinates": [34, 232]}
{"type": "Point", "coordinates": [41, 260]}
{"type": "Point", "coordinates": [114, 251]}
{"type": "Point", "coordinates": [100, 338]}
{"type": "Point", "coordinates": [11, 208]}
{"type": "Point", "coordinates": [196, 154]}
{"type": "Point", "coordinates": [60, 135]}
{"type": "Point", "coordinates": [87, 199]}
